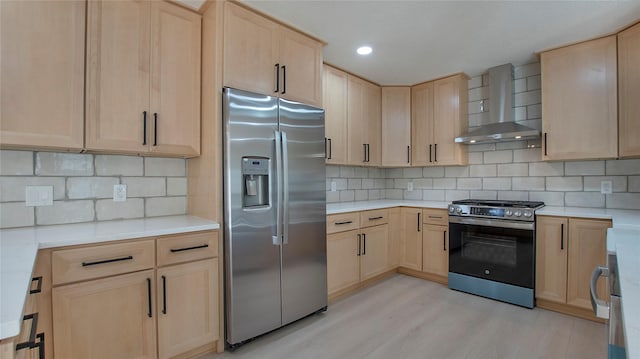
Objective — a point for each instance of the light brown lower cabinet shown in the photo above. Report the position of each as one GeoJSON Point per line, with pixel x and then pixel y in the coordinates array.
{"type": "Point", "coordinates": [411, 238]}
{"type": "Point", "coordinates": [435, 253]}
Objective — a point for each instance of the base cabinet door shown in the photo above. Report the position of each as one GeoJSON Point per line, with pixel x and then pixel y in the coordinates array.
{"type": "Point", "coordinates": [435, 254]}
{"type": "Point", "coordinates": [551, 258]}
{"type": "Point", "coordinates": [187, 307]}
{"type": "Point", "coordinates": [106, 318]}
{"type": "Point", "coordinates": [411, 238]}
{"type": "Point", "coordinates": [343, 261]}
{"type": "Point", "coordinates": [374, 251]}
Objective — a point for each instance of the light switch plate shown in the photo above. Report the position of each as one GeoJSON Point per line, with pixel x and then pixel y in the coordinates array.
{"type": "Point", "coordinates": [119, 192]}
{"type": "Point", "coordinates": [36, 196]}
{"type": "Point", "coordinates": [606, 187]}
{"type": "Point", "coordinates": [410, 186]}
{"type": "Point", "coordinates": [333, 186]}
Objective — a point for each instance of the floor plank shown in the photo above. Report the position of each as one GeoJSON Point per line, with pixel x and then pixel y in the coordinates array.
{"type": "Point", "coordinates": [406, 317]}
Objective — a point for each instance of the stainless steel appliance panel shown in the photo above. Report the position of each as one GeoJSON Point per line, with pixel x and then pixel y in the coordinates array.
{"type": "Point", "coordinates": [304, 258]}
{"type": "Point", "coordinates": [253, 292]}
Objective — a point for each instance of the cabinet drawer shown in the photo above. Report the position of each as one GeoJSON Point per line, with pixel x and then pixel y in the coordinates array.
{"type": "Point", "coordinates": [187, 247]}
{"type": "Point", "coordinates": [343, 222]}
{"type": "Point", "coordinates": [374, 218]}
{"type": "Point", "coordinates": [78, 264]}
{"type": "Point", "coordinates": [435, 216]}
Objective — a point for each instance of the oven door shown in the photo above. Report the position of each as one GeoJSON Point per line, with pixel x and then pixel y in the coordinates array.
{"type": "Point", "coordinates": [496, 250]}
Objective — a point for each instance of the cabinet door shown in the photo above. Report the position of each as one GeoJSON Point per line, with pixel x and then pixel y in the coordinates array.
{"type": "Point", "coordinates": [411, 238]}
{"type": "Point", "coordinates": [187, 307]}
{"type": "Point", "coordinates": [579, 101]}
{"type": "Point", "coordinates": [175, 80]}
{"type": "Point", "coordinates": [587, 249]}
{"type": "Point", "coordinates": [395, 224]}
{"type": "Point", "coordinates": [335, 115]}
{"type": "Point", "coordinates": [396, 126]}
{"type": "Point", "coordinates": [552, 246]}
{"type": "Point", "coordinates": [356, 120]}
{"type": "Point", "coordinates": [374, 251]}
{"type": "Point", "coordinates": [118, 76]}
{"type": "Point", "coordinates": [422, 124]}
{"type": "Point", "coordinates": [106, 318]}
{"type": "Point", "coordinates": [343, 261]}
{"type": "Point", "coordinates": [449, 120]}
{"type": "Point", "coordinates": [250, 50]}
{"type": "Point", "coordinates": [301, 61]}
{"type": "Point", "coordinates": [372, 123]}
{"type": "Point", "coordinates": [42, 45]}
{"type": "Point", "coordinates": [435, 254]}
{"type": "Point", "coordinates": [629, 87]}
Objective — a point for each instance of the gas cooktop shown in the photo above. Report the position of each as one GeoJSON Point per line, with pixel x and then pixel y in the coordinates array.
{"type": "Point", "coordinates": [494, 203]}
{"type": "Point", "coordinates": [506, 210]}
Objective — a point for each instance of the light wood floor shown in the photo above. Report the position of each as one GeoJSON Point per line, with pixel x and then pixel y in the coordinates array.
{"type": "Point", "coordinates": [406, 317]}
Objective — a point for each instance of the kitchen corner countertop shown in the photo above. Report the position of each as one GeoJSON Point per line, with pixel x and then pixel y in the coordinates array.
{"type": "Point", "coordinates": [622, 218]}
{"type": "Point", "coordinates": [344, 207]}
{"type": "Point", "coordinates": [19, 248]}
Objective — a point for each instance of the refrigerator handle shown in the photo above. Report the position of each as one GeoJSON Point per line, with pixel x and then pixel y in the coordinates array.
{"type": "Point", "coordinates": [285, 191]}
{"type": "Point", "coordinates": [278, 236]}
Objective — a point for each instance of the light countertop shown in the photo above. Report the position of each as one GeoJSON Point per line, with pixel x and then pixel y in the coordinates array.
{"type": "Point", "coordinates": [622, 218]}
{"type": "Point", "coordinates": [344, 207]}
{"type": "Point", "coordinates": [19, 247]}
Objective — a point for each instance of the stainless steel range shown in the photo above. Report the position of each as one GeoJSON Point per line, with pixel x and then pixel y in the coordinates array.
{"type": "Point", "coordinates": [492, 249]}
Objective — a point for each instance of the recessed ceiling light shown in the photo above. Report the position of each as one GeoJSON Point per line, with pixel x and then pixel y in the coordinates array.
{"type": "Point", "coordinates": [364, 50]}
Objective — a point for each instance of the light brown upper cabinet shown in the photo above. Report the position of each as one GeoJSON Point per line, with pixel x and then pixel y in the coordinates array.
{"type": "Point", "coordinates": [143, 78]}
{"type": "Point", "coordinates": [263, 56]}
{"type": "Point", "coordinates": [42, 45]}
{"type": "Point", "coordinates": [363, 118]}
{"type": "Point", "coordinates": [439, 115]}
{"type": "Point", "coordinates": [579, 101]}
{"type": "Point", "coordinates": [335, 115]}
{"type": "Point", "coordinates": [396, 126]}
{"type": "Point", "coordinates": [629, 91]}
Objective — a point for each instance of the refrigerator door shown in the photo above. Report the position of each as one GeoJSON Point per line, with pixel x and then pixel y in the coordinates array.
{"type": "Point", "coordinates": [252, 260]}
{"type": "Point", "coordinates": [304, 251]}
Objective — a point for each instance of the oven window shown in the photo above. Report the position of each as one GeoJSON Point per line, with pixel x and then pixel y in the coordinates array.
{"type": "Point", "coordinates": [488, 248]}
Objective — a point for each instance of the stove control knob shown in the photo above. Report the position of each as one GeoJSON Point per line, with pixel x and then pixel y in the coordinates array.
{"type": "Point", "coordinates": [458, 210]}
{"type": "Point", "coordinates": [527, 213]}
{"type": "Point", "coordinates": [508, 213]}
{"type": "Point", "coordinates": [452, 209]}
{"type": "Point", "coordinates": [517, 213]}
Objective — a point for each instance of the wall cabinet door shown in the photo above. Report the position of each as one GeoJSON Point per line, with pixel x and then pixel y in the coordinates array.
{"type": "Point", "coordinates": [411, 239]}
{"type": "Point", "coordinates": [587, 249]}
{"type": "Point", "coordinates": [357, 124]}
{"type": "Point", "coordinates": [435, 253]}
{"type": "Point", "coordinates": [301, 59]}
{"type": "Point", "coordinates": [579, 101]}
{"type": "Point", "coordinates": [373, 124]}
{"type": "Point", "coordinates": [422, 125]}
{"type": "Point", "coordinates": [374, 251]}
{"type": "Point", "coordinates": [551, 258]}
{"type": "Point", "coordinates": [396, 126]}
{"type": "Point", "coordinates": [335, 115]}
{"type": "Point", "coordinates": [343, 261]}
{"type": "Point", "coordinates": [629, 87]}
{"type": "Point", "coordinates": [122, 305]}
{"type": "Point", "coordinates": [449, 120]}
{"type": "Point", "coordinates": [187, 306]}
{"type": "Point", "coordinates": [42, 72]}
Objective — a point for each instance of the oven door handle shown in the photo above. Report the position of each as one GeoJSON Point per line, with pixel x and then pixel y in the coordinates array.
{"type": "Point", "coordinates": [492, 222]}
{"type": "Point", "coordinates": [600, 307]}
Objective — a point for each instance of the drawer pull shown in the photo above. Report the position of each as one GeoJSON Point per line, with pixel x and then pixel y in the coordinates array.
{"type": "Point", "coordinates": [149, 313]}
{"type": "Point", "coordinates": [86, 264]}
{"type": "Point", "coordinates": [188, 248]}
{"type": "Point", "coordinates": [375, 218]}
{"type": "Point", "coordinates": [436, 217]}
{"type": "Point", "coordinates": [38, 287]}
{"type": "Point", "coordinates": [164, 295]}
{"type": "Point", "coordinates": [345, 222]}
{"type": "Point", "coordinates": [32, 335]}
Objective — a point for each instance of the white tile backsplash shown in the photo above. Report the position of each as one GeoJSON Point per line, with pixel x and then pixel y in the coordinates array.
{"type": "Point", "coordinates": [107, 209]}
{"type": "Point", "coordinates": [63, 164]}
{"type": "Point", "coordinates": [66, 212]}
{"type": "Point", "coordinates": [91, 187]}
{"type": "Point", "coordinates": [16, 214]}
{"type": "Point", "coordinates": [16, 163]}
{"type": "Point", "coordinates": [165, 167]}
{"type": "Point", "coordinates": [110, 165]}
{"type": "Point", "coordinates": [12, 189]}
{"type": "Point", "coordinates": [145, 186]}
{"type": "Point", "coordinates": [165, 206]}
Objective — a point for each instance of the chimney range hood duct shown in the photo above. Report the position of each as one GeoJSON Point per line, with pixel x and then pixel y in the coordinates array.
{"type": "Point", "coordinates": [500, 126]}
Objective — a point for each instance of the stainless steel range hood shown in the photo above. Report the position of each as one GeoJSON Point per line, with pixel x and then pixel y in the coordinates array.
{"type": "Point", "coordinates": [500, 126]}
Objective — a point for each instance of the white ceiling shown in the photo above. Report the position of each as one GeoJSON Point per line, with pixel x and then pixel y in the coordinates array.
{"type": "Point", "coordinates": [415, 41]}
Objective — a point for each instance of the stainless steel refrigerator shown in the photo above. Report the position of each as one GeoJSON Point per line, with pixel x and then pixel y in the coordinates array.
{"type": "Point", "coordinates": [275, 213]}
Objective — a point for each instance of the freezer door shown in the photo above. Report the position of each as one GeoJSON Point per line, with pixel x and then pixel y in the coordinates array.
{"type": "Point", "coordinates": [252, 261]}
{"type": "Point", "coordinates": [304, 250]}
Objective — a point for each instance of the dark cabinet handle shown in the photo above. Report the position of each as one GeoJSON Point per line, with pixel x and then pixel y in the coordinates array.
{"type": "Point", "coordinates": [277, 89]}
{"type": "Point", "coordinates": [155, 128]}
{"type": "Point", "coordinates": [408, 154]}
{"type": "Point", "coordinates": [326, 149]}
{"type": "Point", "coordinates": [435, 152]}
{"type": "Point", "coordinates": [188, 248]}
{"type": "Point", "coordinates": [38, 286]}
{"type": "Point", "coordinates": [364, 149]}
{"type": "Point", "coordinates": [364, 244]}
{"type": "Point", "coordinates": [419, 221]}
{"type": "Point", "coordinates": [144, 127]}
{"type": "Point", "coordinates": [31, 343]}
{"type": "Point", "coordinates": [345, 222]}
{"type": "Point", "coordinates": [87, 264]}
{"type": "Point", "coordinates": [330, 151]}
{"type": "Point", "coordinates": [375, 218]}
{"type": "Point", "coordinates": [545, 143]}
{"type": "Point", "coordinates": [149, 314]}
{"type": "Point", "coordinates": [40, 345]}
{"type": "Point", "coordinates": [284, 79]}
{"type": "Point", "coordinates": [164, 295]}
{"type": "Point", "coordinates": [359, 238]}
{"type": "Point", "coordinates": [562, 236]}
{"type": "Point", "coordinates": [430, 153]}
{"type": "Point", "coordinates": [368, 153]}
{"type": "Point", "coordinates": [444, 241]}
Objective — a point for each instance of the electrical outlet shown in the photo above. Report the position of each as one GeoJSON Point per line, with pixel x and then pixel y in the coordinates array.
{"type": "Point", "coordinates": [410, 186]}
{"type": "Point", "coordinates": [119, 192]}
{"type": "Point", "coordinates": [39, 196]}
{"type": "Point", "coordinates": [606, 187]}
{"type": "Point", "coordinates": [333, 186]}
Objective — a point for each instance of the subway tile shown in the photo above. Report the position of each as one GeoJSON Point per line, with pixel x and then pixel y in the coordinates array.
{"type": "Point", "coordinates": [546, 169]}
{"type": "Point", "coordinates": [482, 170]}
{"type": "Point", "coordinates": [534, 112]}
{"type": "Point", "coordinates": [333, 197]}
{"type": "Point", "coordinates": [107, 209]}
{"type": "Point", "coordinates": [549, 198]}
{"type": "Point", "coordinates": [16, 163]}
{"type": "Point", "coordinates": [165, 206]}
{"type": "Point", "coordinates": [12, 189]}
{"type": "Point", "coordinates": [65, 212]}
{"type": "Point", "coordinates": [394, 193]}
{"type": "Point", "coordinates": [145, 186]}
{"type": "Point", "coordinates": [534, 82]}
{"type": "Point", "coordinates": [380, 183]}
{"type": "Point", "coordinates": [513, 195]}
{"type": "Point", "coordinates": [474, 82]}
{"type": "Point", "coordinates": [490, 195]}
{"type": "Point", "coordinates": [63, 164]}
{"type": "Point", "coordinates": [469, 183]}
{"type": "Point", "coordinates": [341, 183]}
{"type": "Point", "coordinates": [496, 183]}
{"type": "Point", "coordinates": [634, 184]}
{"type": "Point", "coordinates": [347, 172]}
{"type": "Point", "coordinates": [109, 165]}
{"type": "Point", "coordinates": [168, 167]}
{"type": "Point", "coordinates": [376, 173]}
{"type": "Point", "coordinates": [387, 183]}
{"type": "Point", "coordinates": [477, 94]}
{"type": "Point", "coordinates": [90, 187]}
{"type": "Point", "coordinates": [16, 215]}
{"type": "Point", "coordinates": [584, 199]}
{"type": "Point", "coordinates": [361, 195]}
{"type": "Point", "coordinates": [332, 171]}
{"type": "Point", "coordinates": [510, 145]}
{"type": "Point", "coordinates": [476, 119]}
{"type": "Point", "coordinates": [433, 195]}
{"type": "Point", "coordinates": [400, 183]}
{"type": "Point", "coordinates": [527, 155]}
{"type": "Point", "coordinates": [623, 200]}
{"type": "Point", "coordinates": [444, 183]}
{"type": "Point", "coordinates": [367, 183]}
{"type": "Point", "coordinates": [354, 183]}
{"type": "Point", "coordinates": [527, 183]}
{"type": "Point", "coordinates": [520, 113]}
{"type": "Point", "coordinates": [623, 167]}
{"type": "Point", "coordinates": [475, 158]}
{"type": "Point", "coordinates": [423, 183]}
{"type": "Point", "coordinates": [520, 85]}
{"type": "Point", "coordinates": [361, 172]}
{"type": "Point", "coordinates": [513, 170]}
{"type": "Point", "coordinates": [375, 194]}
{"type": "Point", "coordinates": [531, 69]}
{"type": "Point", "coordinates": [584, 168]}
{"type": "Point", "coordinates": [483, 147]}
{"type": "Point", "coordinates": [592, 183]}
{"type": "Point", "coordinates": [433, 172]}
{"type": "Point", "coordinates": [176, 186]}
{"type": "Point", "coordinates": [394, 172]}
{"type": "Point", "coordinates": [454, 195]}
{"type": "Point", "coordinates": [456, 171]}
{"type": "Point", "coordinates": [347, 196]}
{"type": "Point", "coordinates": [477, 106]}
{"type": "Point", "coordinates": [412, 195]}
{"type": "Point", "coordinates": [564, 184]}
{"type": "Point", "coordinates": [504, 156]}
{"type": "Point", "coordinates": [527, 98]}
{"type": "Point", "coordinates": [414, 172]}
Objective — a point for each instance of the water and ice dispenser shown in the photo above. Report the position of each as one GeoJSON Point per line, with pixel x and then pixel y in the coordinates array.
{"type": "Point", "coordinates": [255, 177]}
